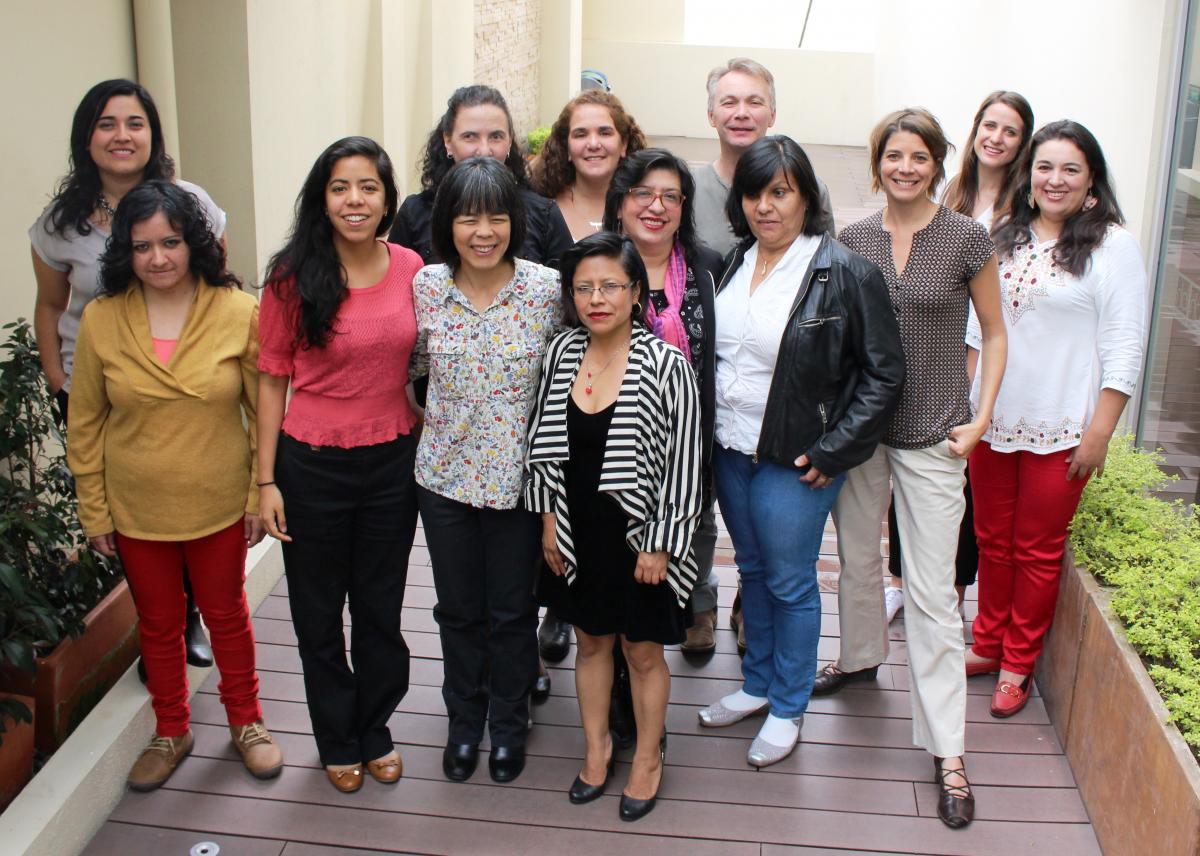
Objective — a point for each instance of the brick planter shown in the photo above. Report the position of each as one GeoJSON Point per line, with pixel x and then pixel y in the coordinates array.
{"type": "Point", "coordinates": [1137, 776]}
{"type": "Point", "coordinates": [16, 753]}
{"type": "Point", "coordinates": [72, 678]}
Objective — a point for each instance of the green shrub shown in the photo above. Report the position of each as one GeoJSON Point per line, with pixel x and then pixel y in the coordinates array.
{"type": "Point", "coordinates": [1149, 552]}
{"type": "Point", "coordinates": [536, 139]}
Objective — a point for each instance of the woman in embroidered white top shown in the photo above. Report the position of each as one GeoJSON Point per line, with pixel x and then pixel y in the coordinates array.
{"type": "Point", "coordinates": [1074, 295]}
{"type": "Point", "coordinates": [614, 468]}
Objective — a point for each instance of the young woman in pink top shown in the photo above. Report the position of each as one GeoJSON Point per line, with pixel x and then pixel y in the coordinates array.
{"type": "Point", "coordinates": [336, 466]}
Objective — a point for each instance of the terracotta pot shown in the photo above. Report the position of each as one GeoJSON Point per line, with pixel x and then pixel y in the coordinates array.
{"type": "Point", "coordinates": [1137, 777]}
{"type": "Point", "coordinates": [72, 678]}
{"type": "Point", "coordinates": [16, 753]}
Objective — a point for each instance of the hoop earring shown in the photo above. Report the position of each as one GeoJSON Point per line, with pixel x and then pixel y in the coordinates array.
{"type": "Point", "coordinates": [637, 309]}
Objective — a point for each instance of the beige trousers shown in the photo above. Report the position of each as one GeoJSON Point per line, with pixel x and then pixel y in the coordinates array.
{"type": "Point", "coordinates": [928, 487]}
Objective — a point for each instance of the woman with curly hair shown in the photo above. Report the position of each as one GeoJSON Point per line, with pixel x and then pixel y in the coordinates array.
{"type": "Point", "coordinates": [165, 472]}
{"type": "Point", "coordinates": [116, 143]}
{"type": "Point", "coordinates": [335, 459]}
{"type": "Point", "coordinates": [587, 143]}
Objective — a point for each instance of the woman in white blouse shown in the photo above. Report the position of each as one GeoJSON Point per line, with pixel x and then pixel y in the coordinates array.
{"type": "Point", "coordinates": [1073, 291]}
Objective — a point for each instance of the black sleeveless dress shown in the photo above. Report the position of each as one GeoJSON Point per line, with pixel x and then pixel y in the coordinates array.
{"type": "Point", "coordinates": [605, 598]}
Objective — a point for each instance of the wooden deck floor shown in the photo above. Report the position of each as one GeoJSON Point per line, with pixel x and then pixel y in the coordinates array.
{"type": "Point", "coordinates": [855, 784]}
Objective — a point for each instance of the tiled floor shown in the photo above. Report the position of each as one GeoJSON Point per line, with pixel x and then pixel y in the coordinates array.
{"type": "Point", "coordinates": [854, 785]}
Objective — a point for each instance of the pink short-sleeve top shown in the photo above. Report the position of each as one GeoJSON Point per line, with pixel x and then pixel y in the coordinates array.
{"type": "Point", "coordinates": [351, 392]}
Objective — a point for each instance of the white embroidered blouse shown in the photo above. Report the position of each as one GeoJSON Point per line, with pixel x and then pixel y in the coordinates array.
{"type": "Point", "coordinates": [1068, 338]}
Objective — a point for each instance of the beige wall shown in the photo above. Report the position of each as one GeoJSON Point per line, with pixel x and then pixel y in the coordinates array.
{"type": "Point", "coordinates": [507, 37]}
{"type": "Point", "coordinates": [60, 63]}
{"type": "Point", "coordinates": [634, 20]}
{"type": "Point", "coordinates": [821, 95]}
{"type": "Point", "coordinates": [560, 56]}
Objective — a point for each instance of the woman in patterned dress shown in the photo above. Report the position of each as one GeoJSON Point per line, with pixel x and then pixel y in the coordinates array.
{"type": "Point", "coordinates": [484, 318]}
{"type": "Point", "coordinates": [1074, 301]}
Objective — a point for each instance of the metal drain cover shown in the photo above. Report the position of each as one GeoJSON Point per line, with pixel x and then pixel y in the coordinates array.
{"type": "Point", "coordinates": [205, 848]}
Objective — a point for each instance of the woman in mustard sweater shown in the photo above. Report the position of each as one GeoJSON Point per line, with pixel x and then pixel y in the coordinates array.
{"type": "Point", "coordinates": [165, 369]}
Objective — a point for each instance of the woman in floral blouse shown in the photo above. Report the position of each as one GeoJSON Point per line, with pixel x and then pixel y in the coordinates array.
{"type": "Point", "coordinates": [1073, 291]}
{"type": "Point", "coordinates": [484, 318]}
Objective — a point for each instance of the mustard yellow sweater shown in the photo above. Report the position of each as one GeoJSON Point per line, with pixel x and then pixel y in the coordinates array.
{"type": "Point", "coordinates": [162, 452]}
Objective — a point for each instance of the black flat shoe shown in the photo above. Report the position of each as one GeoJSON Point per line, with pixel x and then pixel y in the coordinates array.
{"type": "Point", "coordinates": [459, 760]}
{"type": "Point", "coordinates": [506, 763]}
{"type": "Point", "coordinates": [956, 803]}
{"type": "Point", "coordinates": [634, 809]}
{"type": "Point", "coordinates": [554, 638]}
{"type": "Point", "coordinates": [142, 676]}
{"type": "Point", "coordinates": [199, 652]}
{"type": "Point", "coordinates": [581, 792]}
{"type": "Point", "coordinates": [830, 679]}
{"type": "Point", "coordinates": [541, 685]}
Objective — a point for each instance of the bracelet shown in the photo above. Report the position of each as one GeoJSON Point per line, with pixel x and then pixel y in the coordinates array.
{"type": "Point", "coordinates": [264, 484]}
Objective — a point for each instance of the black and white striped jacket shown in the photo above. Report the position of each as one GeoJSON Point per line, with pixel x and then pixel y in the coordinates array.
{"type": "Point", "coordinates": [652, 458]}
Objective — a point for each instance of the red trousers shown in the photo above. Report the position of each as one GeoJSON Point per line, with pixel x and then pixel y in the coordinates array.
{"type": "Point", "coordinates": [1023, 505]}
{"type": "Point", "coordinates": [216, 565]}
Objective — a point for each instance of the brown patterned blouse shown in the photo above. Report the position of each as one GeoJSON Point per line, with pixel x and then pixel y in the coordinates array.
{"type": "Point", "coordinates": [931, 299]}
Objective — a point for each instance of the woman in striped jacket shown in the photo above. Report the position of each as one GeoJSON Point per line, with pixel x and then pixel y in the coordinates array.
{"type": "Point", "coordinates": [614, 469]}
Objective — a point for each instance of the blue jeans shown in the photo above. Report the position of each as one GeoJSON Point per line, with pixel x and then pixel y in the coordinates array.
{"type": "Point", "coordinates": [776, 522]}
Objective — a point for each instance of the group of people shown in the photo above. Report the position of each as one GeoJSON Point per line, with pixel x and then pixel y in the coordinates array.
{"type": "Point", "coordinates": [563, 367]}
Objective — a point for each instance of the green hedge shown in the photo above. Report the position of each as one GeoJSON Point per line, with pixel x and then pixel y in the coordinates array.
{"type": "Point", "coordinates": [1148, 550]}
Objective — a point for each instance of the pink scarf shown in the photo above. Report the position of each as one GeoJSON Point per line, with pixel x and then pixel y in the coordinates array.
{"type": "Point", "coordinates": [667, 325]}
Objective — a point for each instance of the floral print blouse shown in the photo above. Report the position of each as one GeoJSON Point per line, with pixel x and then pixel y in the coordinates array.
{"type": "Point", "coordinates": [483, 372]}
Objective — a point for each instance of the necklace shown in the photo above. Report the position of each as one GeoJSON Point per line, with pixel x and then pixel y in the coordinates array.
{"type": "Point", "coordinates": [102, 204]}
{"type": "Point", "coordinates": [765, 264]}
{"type": "Point", "coordinates": [591, 374]}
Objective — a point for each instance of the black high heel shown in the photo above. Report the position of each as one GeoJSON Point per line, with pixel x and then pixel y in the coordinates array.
{"type": "Point", "coordinates": [634, 809]}
{"type": "Point", "coordinates": [581, 792]}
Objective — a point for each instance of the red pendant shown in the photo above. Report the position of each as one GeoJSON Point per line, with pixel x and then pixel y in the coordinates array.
{"type": "Point", "coordinates": [588, 389]}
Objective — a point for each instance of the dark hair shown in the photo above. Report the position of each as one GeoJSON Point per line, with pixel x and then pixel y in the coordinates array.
{"type": "Point", "coordinates": [309, 258]}
{"type": "Point", "coordinates": [436, 163]}
{"type": "Point", "coordinates": [754, 172]}
{"type": "Point", "coordinates": [631, 172]}
{"type": "Point", "coordinates": [79, 189]}
{"type": "Point", "coordinates": [610, 245]}
{"type": "Point", "coordinates": [914, 120]}
{"type": "Point", "coordinates": [552, 171]}
{"type": "Point", "coordinates": [185, 214]}
{"type": "Point", "coordinates": [1084, 230]}
{"type": "Point", "coordinates": [478, 185]}
{"type": "Point", "coordinates": [963, 189]}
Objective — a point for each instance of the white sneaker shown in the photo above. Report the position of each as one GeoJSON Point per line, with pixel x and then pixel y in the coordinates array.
{"type": "Point", "coordinates": [893, 601]}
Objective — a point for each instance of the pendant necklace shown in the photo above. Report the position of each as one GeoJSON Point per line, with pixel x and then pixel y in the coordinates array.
{"type": "Point", "coordinates": [587, 389]}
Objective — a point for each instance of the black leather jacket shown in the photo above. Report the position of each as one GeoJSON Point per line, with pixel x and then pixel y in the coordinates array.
{"type": "Point", "coordinates": [546, 232]}
{"type": "Point", "coordinates": [840, 367]}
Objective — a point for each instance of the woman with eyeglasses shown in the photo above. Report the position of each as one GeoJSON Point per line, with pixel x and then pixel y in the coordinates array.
{"type": "Point", "coordinates": [614, 468]}
{"type": "Point", "coordinates": [651, 200]}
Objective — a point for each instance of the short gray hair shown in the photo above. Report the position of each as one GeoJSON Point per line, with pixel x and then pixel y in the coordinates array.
{"type": "Point", "coordinates": [746, 66]}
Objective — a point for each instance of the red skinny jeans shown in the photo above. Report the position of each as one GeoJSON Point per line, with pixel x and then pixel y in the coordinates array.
{"type": "Point", "coordinates": [1023, 505]}
{"type": "Point", "coordinates": [216, 565]}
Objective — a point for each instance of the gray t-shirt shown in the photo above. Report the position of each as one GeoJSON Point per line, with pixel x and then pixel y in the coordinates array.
{"type": "Point", "coordinates": [712, 226]}
{"type": "Point", "coordinates": [78, 256]}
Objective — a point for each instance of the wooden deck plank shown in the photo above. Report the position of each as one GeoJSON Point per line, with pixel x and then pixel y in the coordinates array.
{"type": "Point", "coordinates": [127, 839]}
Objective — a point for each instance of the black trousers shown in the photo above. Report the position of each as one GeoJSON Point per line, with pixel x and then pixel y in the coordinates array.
{"type": "Point", "coordinates": [352, 514]}
{"type": "Point", "coordinates": [484, 563]}
{"type": "Point", "coordinates": [966, 562]}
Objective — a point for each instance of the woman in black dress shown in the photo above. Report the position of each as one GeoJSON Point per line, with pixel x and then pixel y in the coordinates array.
{"type": "Point", "coordinates": [614, 468]}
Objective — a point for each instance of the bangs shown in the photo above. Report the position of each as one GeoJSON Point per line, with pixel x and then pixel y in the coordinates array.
{"type": "Point", "coordinates": [479, 193]}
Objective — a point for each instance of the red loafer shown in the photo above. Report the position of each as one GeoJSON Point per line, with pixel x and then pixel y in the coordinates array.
{"type": "Point", "coordinates": [1009, 698]}
{"type": "Point", "coordinates": [986, 667]}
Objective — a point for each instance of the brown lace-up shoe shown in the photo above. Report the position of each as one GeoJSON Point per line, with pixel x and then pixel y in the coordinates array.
{"type": "Point", "coordinates": [158, 761]}
{"type": "Point", "coordinates": [261, 755]}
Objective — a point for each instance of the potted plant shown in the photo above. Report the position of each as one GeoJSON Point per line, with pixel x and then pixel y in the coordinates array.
{"type": "Point", "coordinates": [59, 600]}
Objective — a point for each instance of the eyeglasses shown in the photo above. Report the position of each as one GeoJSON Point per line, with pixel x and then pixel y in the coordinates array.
{"type": "Point", "coordinates": [608, 289]}
{"type": "Point", "coordinates": [645, 197]}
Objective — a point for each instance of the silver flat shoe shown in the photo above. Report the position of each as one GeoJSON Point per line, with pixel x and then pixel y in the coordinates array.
{"type": "Point", "coordinates": [717, 715]}
{"type": "Point", "coordinates": [764, 754]}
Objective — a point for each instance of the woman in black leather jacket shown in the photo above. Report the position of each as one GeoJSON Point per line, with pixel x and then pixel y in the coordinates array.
{"type": "Point", "coordinates": [809, 367]}
{"type": "Point", "coordinates": [477, 122]}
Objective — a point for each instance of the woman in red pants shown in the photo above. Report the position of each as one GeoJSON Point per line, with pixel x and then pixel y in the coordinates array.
{"type": "Point", "coordinates": [1073, 289]}
{"type": "Point", "coordinates": [164, 467]}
